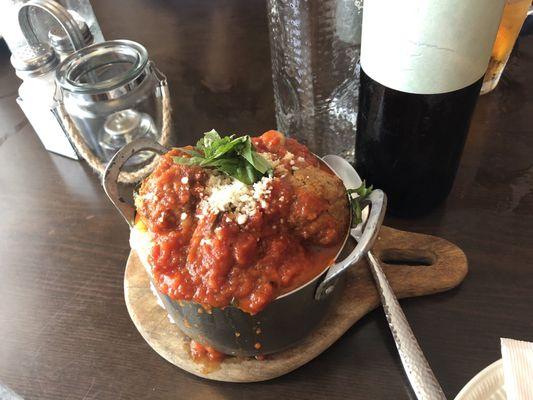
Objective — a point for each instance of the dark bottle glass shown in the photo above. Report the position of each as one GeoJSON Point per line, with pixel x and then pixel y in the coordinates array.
{"type": "Point", "coordinates": [409, 144]}
{"type": "Point", "coordinates": [422, 65]}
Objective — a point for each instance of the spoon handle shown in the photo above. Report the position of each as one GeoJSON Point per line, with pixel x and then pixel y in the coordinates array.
{"type": "Point", "coordinates": [418, 371]}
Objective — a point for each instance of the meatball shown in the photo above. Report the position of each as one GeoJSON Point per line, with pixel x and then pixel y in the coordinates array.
{"type": "Point", "coordinates": [319, 211]}
{"type": "Point", "coordinates": [167, 199]}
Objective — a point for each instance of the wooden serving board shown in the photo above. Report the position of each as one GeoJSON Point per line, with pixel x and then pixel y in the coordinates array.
{"type": "Point", "coordinates": [415, 265]}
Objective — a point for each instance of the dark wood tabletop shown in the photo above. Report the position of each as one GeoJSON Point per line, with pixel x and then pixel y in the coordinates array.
{"type": "Point", "coordinates": [65, 332]}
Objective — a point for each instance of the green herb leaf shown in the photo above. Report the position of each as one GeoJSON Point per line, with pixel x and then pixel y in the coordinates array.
{"type": "Point", "coordinates": [362, 193]}
{"type": "Point", "coordinates": [193, 153]}
{"type": "Point", "coordinates": [206, 143]}
{"type": "Point", "coordinates": [231, 155]}
{"type": "Point", "coordinates": [256, 160]}
{"type": "Point", "coordinates": [247, 173]}
{"type": "Point", "coordinates": [187, 160]}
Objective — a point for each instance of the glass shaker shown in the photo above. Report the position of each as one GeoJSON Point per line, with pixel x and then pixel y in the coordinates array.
{"type": "Point", "coordinates": [36, 67]}
{"type": "Point", "coordinates": [315, 47]}
{"type": "Point", "coordinates": [113, 94]}
{"type": "Point", "coordinates": [39, 19]}
{"type": "Point", "coordinates": [9, 27]}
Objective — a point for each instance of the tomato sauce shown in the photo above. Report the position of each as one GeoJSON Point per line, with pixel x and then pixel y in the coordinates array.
{"type": "Point", "coordinates": [200, 352]}
{"type": "Point", "coordinates": [212, 259]}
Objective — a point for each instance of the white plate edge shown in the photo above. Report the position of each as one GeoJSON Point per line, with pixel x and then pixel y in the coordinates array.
{"type": "Point", "coordinates": [490, 372]}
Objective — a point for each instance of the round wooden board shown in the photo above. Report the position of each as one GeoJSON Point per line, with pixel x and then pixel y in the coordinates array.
{"type": "Point", "coordinates": [448, 269]}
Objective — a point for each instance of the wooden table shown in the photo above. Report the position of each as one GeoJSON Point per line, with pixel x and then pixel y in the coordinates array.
{"type": "Point", "coordinates": [64, 329]}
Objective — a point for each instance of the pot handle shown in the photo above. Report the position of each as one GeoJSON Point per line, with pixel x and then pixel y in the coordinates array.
{"type": "Point", "coordinates": [112, 171]}
{"type": "Point", "coordinates": [378, 205]}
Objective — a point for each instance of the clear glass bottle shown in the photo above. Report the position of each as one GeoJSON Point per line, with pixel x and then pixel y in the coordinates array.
{"type": "Point", "coordinates": [315, 48]}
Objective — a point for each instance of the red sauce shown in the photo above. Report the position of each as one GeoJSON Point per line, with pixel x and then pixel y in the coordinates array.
{"type": "Point", "coordinates": [215, 261]}
{"type": "Point", "coordinates": [204, 353]}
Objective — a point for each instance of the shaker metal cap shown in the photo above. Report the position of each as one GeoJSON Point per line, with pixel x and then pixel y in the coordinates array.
{"type": "Point", "coordinates": [60, 40]}
{"type": "Point", "coordinates": [34, 61]}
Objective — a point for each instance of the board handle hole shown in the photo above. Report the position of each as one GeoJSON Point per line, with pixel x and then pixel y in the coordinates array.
{"type": "Point", "coordinates": [409, 257]}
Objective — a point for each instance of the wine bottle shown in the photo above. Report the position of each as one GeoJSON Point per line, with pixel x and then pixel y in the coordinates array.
{"type": "Point", "coordinates": [422, 66]}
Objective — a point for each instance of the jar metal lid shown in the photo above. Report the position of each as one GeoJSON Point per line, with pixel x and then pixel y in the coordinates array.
{"type": "Point", "coordinates": [104, 71]}
{"type": "Point", "coordinates": [34, 61]}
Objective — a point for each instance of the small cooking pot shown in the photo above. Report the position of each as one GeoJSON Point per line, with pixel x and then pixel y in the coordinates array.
{"type": "Point", "coordinates": [288, 318]}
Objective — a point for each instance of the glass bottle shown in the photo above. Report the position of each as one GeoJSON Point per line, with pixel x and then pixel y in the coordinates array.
{"type": "Point", "coordinates": [315, 48]}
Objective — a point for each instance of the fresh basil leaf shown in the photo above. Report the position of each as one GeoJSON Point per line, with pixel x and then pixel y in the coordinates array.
{"type": "Point", "coordinates": [259, 163]}
{"type": "Point", "coordinates": [362, 193]}
{"type": "Point", "coordinates": [246, 149]}
{"type": "Point", "coordinates": [191, 152]}
{"type": "Point", "coordinates": [231, 155]}
{"type": "Point", "coordinates": [245, 173]}
{"type": "Point", "coordinates": [229, 168]}
{"type": "Point", "coordinates": [187, 160]}
{"type": "Point", "coordinates": [358, 213]}
{"type": "Point", "coordinates": [222, 163]}
{"type": "Point", "coordinates": [227, 147]}
{"type": "Point", "coordinates": [209, 142]}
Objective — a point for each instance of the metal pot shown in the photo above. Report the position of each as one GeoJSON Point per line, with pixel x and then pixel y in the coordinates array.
{"type": "Point", "coordinates": [285, 321]}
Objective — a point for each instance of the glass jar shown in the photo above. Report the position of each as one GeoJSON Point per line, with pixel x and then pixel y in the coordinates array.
{"type": "Point", "coordinates": [112, 92]}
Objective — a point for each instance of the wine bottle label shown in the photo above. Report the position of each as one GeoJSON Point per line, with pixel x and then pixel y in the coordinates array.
{"type": "Point", "coordinates": [428, 46]}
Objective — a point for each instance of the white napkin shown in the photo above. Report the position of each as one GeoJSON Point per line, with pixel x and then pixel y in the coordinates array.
{"type": "Point", "coordinates": [518, 369]}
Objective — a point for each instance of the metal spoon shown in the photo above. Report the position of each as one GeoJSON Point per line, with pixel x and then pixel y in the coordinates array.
{"type": "Point", "coordinates": [416, 366]}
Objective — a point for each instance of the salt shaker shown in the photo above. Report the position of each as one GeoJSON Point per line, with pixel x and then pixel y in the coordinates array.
{"type": "Point", "coordinates": [36, 67]}
{"type": "Point", "coordinates": [60, 40]}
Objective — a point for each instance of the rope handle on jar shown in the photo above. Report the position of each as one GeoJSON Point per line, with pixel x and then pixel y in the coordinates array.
{"type": "Point", "coordinates": [93, 160]}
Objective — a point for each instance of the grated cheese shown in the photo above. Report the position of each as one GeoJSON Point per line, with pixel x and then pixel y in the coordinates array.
{"type": "Point", "coordinates": [226, 194]}
{"type": "Point", "coordinates": [274, 162]}
{"type": "Point", "coordinates": [288, 156]}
